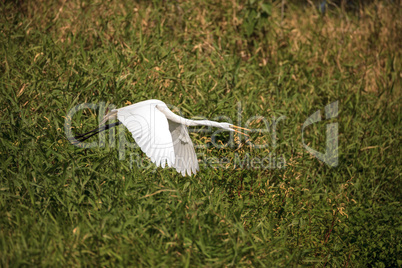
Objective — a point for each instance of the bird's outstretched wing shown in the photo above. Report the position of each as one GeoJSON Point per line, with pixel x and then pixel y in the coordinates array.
{"type": "Point", "coordinates": [150, 130]}
{"type": "Point", "coordinates": [186, 159]}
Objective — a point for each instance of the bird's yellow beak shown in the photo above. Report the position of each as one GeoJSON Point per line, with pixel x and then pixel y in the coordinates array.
{"type": "Point", "coordinates": [236, 129]}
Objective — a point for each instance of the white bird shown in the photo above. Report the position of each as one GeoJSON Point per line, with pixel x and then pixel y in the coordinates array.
{"type": "Point", "coordinates": [161, 134]}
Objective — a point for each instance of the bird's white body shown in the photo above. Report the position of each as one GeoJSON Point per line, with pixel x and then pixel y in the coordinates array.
{"type": "Point", "coordinates": [161, 134]}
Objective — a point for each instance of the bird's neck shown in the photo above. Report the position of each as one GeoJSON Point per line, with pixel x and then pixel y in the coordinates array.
{"type": "Point", "coordinates": [207, 123]}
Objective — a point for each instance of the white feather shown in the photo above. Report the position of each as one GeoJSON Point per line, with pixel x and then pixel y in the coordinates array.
{"type": "Point", "coordinates": [161, 134]}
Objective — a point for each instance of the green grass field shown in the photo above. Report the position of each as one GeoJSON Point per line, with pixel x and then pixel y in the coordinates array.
{"type": "Point", "coordinates": [250, 62]}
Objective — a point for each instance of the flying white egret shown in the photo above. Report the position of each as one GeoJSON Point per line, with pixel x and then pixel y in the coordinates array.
{"type": "Point", "coordinates": [161, 134]}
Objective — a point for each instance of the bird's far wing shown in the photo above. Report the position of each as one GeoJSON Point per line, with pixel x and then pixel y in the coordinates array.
{"type": "Point", "coordinates": [186, 159]}
{"type": "Point", "coordinates": [150, 130]}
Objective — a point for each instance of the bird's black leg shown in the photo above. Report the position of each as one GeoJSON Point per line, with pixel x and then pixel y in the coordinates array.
{"type": "Point", "coordinates": [85, 136]}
